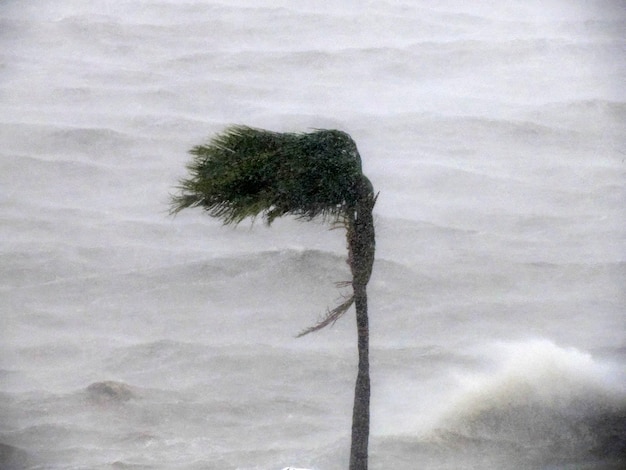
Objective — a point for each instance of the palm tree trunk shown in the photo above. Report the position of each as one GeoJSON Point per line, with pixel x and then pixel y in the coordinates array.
{"type": "Point", "coordinates": [361, 409]}
{"type": "Point", "coordinates": [361, 246]}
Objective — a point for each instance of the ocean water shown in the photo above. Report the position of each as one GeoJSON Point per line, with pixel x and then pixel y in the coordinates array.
{"type": "Point", "coordinates": [495, 133]}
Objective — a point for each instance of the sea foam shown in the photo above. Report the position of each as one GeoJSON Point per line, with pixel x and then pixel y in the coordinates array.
{"type": "Point", "coordinates": [541, 396]}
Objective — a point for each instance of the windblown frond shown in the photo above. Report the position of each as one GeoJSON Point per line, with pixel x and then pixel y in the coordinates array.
{"type": "Point", "coordinates": [331, 317]}
{"type": "Point", "coordinates": [244, 172]}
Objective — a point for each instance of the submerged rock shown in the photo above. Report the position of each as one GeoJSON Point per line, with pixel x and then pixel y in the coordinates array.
{"type": "Point", "coordinates": [13, 458]}
{"type": "Point", "coordinates": [110, 391]}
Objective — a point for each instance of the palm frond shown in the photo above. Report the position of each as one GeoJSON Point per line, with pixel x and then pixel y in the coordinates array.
{"type": "Point", "coordinates": [244, 172]}
{"type": "Point", "coordinates": [330, 318]}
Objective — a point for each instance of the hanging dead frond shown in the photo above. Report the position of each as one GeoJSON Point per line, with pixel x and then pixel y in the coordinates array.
{"type": "Point", "coordinates": [331, 317]}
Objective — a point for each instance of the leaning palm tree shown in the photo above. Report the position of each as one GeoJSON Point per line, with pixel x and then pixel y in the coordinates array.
{"type": "Point", "coordinates": [245, 172]}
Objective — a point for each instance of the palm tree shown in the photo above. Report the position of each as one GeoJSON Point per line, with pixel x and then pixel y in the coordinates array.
{"type": "Point", "coordinates": [244, 172]}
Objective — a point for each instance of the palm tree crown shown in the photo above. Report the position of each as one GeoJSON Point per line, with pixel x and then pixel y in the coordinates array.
{"type": "Point", "coordinates": [245, 172]}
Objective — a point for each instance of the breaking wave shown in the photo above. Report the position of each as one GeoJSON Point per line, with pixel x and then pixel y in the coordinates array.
{"type": "Point", "coordinates": [542, 398]}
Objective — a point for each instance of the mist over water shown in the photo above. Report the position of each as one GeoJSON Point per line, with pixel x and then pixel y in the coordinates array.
{"type": "Point", "coordinates": [494, 132]}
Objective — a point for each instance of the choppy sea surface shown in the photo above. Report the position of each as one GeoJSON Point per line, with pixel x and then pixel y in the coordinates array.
{"type": "Point", "coordinates": [495, 133]}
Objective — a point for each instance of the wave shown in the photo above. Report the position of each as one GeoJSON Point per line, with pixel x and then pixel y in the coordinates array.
{"type": "Point", "coordinates": [548, 400]}
{"type": "Point", "coordinates": [603, 117]}
{"type": "Point", "coordinates": [93, 141]}
{"type": "Point", "coordinates": [46, 140]}
{"type": "Point", "coordinates": [454, 129]}
{"type": "Point", "coordinates": [52, 186]}
{"type": "Point", "coordinates": [155, 355]}
{"type": "Point", "coordinates": [287, 263]}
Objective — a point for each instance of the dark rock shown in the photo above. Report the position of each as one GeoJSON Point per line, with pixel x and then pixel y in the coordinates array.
{"type": "Point", "coordinates": [110, 391]}
{"type": "Point", "coordinates": [13, 458]}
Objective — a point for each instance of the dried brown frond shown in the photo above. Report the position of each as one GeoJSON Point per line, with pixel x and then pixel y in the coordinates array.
{"type": "Point", "coordinates": [331, 317]}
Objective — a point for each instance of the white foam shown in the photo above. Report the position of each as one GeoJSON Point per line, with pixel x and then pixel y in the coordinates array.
{"type": "Point", "coordinates": [533, 385]}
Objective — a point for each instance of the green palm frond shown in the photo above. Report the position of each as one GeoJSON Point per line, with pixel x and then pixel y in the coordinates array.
{"type": "Point", "coordinates": [244, 172]}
